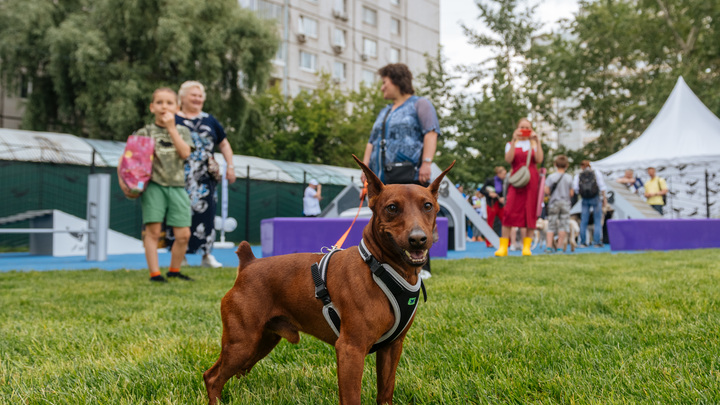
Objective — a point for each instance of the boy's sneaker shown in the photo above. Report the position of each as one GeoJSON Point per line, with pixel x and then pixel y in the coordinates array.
{"type": "Point", "coordinates": [550, 250]}
{"type": "Point", "coordinates": [582, 245]}
{"type": "Point", "coordinates": [209, 261]}
{"type": "Point", "coordinates": [177, 274]}
{"type": "Point", "coordinates": [598, 245]}
{"type": "Point", "coordinates": [159, 278]}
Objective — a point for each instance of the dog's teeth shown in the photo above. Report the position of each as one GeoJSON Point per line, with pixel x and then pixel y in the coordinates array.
{"type": "Point", "coordinates": [418, 260]}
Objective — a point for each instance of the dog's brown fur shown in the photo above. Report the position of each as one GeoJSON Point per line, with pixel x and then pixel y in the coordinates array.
{"type": "Point", "coordinates": [274, 297]}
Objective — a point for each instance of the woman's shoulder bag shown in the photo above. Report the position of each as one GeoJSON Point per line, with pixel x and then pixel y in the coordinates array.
{"type": "Point", "coordinates": [521, 177]}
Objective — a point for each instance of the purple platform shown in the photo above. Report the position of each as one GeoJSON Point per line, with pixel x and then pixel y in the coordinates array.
{"type": "Point", "coordinates": [281, 236]}
{"type": "Point", "coordinates": [663, 234]}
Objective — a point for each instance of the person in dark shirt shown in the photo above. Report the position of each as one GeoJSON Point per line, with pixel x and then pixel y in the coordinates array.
{"type": "Point", "coordinates": [493, 192]}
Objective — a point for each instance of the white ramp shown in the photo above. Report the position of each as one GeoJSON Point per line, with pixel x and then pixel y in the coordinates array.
{"type": "Point", "coordinates": [452, 200]}
{"type": "Point", "coordinates": [75, 244]}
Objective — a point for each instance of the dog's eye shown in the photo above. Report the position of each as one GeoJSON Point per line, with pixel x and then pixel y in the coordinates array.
{"type": "Point", "coordinates": [392, 208]}
{"type": "Point", "coordinates": [428, 206]}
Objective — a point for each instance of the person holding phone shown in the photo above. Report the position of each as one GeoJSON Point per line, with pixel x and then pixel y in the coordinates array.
{"type": "Point", "coordinates": [521, 202]}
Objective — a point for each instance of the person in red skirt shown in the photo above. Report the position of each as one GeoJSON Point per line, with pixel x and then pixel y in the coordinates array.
{"type": "Point", "coordinates": [521, 202]}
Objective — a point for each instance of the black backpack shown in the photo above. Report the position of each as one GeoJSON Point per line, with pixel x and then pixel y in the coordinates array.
{"type": "Point", "coordinates": [588, 184]}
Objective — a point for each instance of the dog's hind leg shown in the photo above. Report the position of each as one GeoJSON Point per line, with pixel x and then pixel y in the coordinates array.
{"type": "Point", "coordinates": [237, 358]}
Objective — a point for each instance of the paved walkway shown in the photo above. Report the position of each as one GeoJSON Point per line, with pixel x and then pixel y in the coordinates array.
{"type": "Point", "coordinates": [28, 262]}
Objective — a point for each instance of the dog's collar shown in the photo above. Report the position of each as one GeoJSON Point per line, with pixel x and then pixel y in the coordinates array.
{"type": "Point", "coordinates": [402, 295]}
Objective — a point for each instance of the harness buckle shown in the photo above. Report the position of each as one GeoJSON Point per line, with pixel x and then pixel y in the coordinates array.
{"type": "Point", "coordinates": [322, 294]}
{"type": "Point", "coordinates": [377, 268]}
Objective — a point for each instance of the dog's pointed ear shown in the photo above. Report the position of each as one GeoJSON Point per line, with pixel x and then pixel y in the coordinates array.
{"type": "Point", "coordinates": [435, 186]}
{"type": "Point", "coordinates": [375, 186]}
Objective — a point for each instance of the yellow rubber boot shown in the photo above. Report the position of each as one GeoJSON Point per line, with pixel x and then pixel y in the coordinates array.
{"type": "Point", "coordinates": [527, 242]}
{"type": "Point", "coordinates": [502, 250]}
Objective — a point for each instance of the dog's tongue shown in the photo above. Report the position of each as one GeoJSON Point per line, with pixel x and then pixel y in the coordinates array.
{"type": "Point", "coordinates": [417, 255]}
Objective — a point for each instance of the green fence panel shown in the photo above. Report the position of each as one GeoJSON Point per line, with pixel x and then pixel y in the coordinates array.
{"type": "Point", "coordinates": [35, 186]}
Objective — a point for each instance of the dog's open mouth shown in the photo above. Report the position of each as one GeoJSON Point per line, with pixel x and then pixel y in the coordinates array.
{"type": "Point", "coordinates": [416, 256]}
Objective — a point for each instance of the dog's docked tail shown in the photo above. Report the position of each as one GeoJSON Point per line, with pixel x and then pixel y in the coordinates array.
{"type": "Point", "coordinates": [245, 254]}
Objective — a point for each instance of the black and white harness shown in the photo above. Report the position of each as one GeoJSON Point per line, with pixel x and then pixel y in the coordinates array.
{"type": "Point", "coordinates": [402, 295]}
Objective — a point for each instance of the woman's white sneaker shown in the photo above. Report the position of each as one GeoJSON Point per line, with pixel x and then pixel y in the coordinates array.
{"type": "Point", "coordinates": [209, 261]}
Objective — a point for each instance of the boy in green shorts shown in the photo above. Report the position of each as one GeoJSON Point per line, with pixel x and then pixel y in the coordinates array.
{"type": "Point", "coordinates": [165, 196]}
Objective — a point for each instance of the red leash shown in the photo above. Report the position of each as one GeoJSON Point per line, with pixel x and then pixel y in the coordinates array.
{"type": "Point", "coordinates": [339, 243]}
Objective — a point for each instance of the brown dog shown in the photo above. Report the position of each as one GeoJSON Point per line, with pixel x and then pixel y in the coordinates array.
{"type": "Point", "coordinates": [274, 297]}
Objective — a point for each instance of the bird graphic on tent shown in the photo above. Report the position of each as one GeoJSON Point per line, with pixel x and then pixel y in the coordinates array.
{"type": "Point", "coordinates": [693, 183]}
{"type": "Point", "coordinates": [681, 167]}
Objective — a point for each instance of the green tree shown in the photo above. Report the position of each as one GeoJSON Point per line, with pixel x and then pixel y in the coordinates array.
{"type": "Point", "coordinates": [94, 63]}
{"type": "Point", "coordinates": [326, 125]}
{"type": "Point", "coordinates": [621, 58]}
{"type": "Point", "coordinates": [476, 127]}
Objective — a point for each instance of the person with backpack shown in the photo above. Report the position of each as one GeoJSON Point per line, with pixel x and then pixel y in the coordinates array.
{"type": "Point", "coordinates": [589, 185]}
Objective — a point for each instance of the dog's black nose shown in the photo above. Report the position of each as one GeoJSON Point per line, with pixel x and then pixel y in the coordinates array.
{"type": "Point", "coordinates": [417, 239]}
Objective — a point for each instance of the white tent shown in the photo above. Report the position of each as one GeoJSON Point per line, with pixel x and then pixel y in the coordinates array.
{"type": "Point", "coordinates": [683, 144]}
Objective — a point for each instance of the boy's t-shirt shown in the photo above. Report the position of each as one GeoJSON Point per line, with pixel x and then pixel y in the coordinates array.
{"type": "Point", "coordinates": [168, 169]}
{"type": "Point", "coordinates": [562, 191]}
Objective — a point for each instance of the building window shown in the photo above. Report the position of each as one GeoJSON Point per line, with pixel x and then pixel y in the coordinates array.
{"type": "Point", "coordinates": [308, 61]}
{"type": "Point", "coordinates": [264, 9]}
{"type": "Point", "coordinates": [269, 11]}
{"type": "Point", "coordinates": [308, 26]}
{"type": "Point", "coordinates": [25, 86]}
{"type": "Point", "coordinates": [369, 16]}
{"type": "Point", "coordinates": [339, 71]}
{"type": "Point", "coordinates": [281, 53]}
{"type": "Point", "coordinates": [368, 76]}
{"type": "Point", "coordinates": [340, 6]}
{"type": "Point", "coordinates": [394, 55]}
{"type": "Point", "coordinates": [394, 26]}
{"type": "Point", "coordinates": [370, 48]}
{"type": "Point", "coordinates": [339, 37]}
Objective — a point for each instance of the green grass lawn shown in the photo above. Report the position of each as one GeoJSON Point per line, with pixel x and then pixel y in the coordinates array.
{"type": "Point", "coordinates": [573, 329]}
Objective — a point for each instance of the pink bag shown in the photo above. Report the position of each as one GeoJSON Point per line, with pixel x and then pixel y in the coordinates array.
{"type": "Point", "coordinates": [136, 164]}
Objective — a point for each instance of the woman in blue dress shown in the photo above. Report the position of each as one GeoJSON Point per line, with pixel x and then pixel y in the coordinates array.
{"type": "Point", "coordinates": [411, 131]}
{"type": "Point", "coordinates": [207, 133]}
{"type": "Point", "coordinates": [411, 127]}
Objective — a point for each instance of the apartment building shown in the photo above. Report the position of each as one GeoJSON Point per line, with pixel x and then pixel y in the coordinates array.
{"type": "Point", "coordinates": [348, 39]}
{"type": "Point", "coordinates": [12, 107]}
{"type": "Point", "coordinates": [574, 135]}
